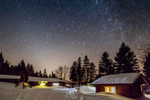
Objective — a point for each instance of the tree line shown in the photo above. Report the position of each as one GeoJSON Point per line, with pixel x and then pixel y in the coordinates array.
{"type": "Point", "coordinates": [85, 71]}
{"type": "Point", "coordinates": [6, 68]}
{"type": "Point", "coordinates": [125, 61]}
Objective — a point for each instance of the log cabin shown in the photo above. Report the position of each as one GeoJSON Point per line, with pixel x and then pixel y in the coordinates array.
{"type": "Point", "coordinates": [126, 84]}
{"type": "Point", "coordinates": [34, 81]}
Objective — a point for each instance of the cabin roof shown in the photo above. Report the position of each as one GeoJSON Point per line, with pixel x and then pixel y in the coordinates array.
{"type": "Point", "coordinates": [125, 78]}
{"type": "Point", "coordinates": [35, 79]}
{"type": "Point", "coordinates": [9, 76]}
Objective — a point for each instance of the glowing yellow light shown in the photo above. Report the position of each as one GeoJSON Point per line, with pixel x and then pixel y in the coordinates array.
{"type": "Point", "coordinates": [43, 83]}
{"type": "Point", "coordinates": [110, 89]}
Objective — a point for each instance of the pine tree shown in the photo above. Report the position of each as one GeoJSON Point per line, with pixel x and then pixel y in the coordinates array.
{"type": "Point", "coordinates": [50, 76]}
{"type": "Point", "coordinates": [45, 74]}
{"type": "Point", "coordinates": [105, 66]}
{"type": "Point", "coordinates": [73, 72]}
{"type": "Point", "coordinates": [86, 67]}
{"type": "Point", "coordinates": [36, 74]}
{"type": "Point", "coordinates": [1, 63]}
{"type": "Point", "coordinates": [126, 60]}
{"type": "Point", "coordinates": [147, 66]}
{"type": "Point", "coordinates": [40, 74]}
{"type": "Point", "coordinates": [79, 70]}
{"type": "Point", "coordinates": [92, 72]}
{"type": "Point", "coordinates": [54, 75]}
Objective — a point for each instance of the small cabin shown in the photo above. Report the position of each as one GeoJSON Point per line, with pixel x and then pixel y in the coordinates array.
{"type": "Point", "coordinates": [126, 84]}
{"type": "Point", "coordinates": [34, 81]}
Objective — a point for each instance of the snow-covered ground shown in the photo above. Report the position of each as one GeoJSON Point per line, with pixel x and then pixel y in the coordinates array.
{"type": "Point", "coordinates": [8, 91]}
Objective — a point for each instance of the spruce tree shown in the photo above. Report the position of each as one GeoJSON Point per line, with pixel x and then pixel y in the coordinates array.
{"type": "Point", "coordinates": [92, 72]}
{"type": "Point", "coordinates": [105, 66]}
{"type": "Point", "coordinates": [147, 66]}
{"type": "Point", "coordinates": [40, 74]}
{"type": "Point", "coordinates": [1, 63]}
{"type": "Point", "coordinates": [36, 74]}
{"type": "Point", "coordinates": [86, 68]}
{"type": "Point", "coordinates": [79, 70]}
{"type": "Point", "coordinates": [126, 60]}
{"type": "Point", "coordinates": [45, 74]}
{"type": "Point", "coordinates": [73, 72]}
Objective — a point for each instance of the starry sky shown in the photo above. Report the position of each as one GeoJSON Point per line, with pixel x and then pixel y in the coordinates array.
{"type": "Point", "coordinates": [53, 33]}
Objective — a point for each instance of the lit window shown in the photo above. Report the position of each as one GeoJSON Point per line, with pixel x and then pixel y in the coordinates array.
{"type": "Point", "coordinates": [55, 84]}
{"type": "Point", "coordinates": [110, 89]}
{"type": "Point", "coordinates": [43, 83]}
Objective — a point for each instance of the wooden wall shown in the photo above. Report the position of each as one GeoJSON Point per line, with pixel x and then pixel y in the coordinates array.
{"type": "Point", "coordinates": [47, 84]}
{"type": "Point", "coordinates": [120, 88]}
{"type": "Point", "coordinates": [127, 90]}
{"type": "Point", "coordinates": [9, 80]}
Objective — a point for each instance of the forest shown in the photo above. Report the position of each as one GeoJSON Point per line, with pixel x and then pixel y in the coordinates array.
{"type": "Point", "coordinates": [85, 71]}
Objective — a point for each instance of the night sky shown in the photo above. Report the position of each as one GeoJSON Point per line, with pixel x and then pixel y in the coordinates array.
{"type": "Point", "coordinates": [53, 33]}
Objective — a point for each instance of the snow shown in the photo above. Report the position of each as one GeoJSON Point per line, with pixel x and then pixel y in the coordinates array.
{"type": "Point", "coordinates": [126, 78]}
{"type": "Point", "coordinates": [87, 89]}
{"type": "Point", "coordinates": [8, 91]}
{"type": "Point", "coordinates": [9, 76]}
{"type": "Point", "coordinates": [43, 79]}
{"type": "Point", "coordinates": [32, 78]}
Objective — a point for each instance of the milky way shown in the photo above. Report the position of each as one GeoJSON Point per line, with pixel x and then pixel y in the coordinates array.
{"type": "Point", "coordinates": [53, 33]}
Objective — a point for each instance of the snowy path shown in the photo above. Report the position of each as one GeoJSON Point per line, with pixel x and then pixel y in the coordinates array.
{"type": "Point", "coordinates": [9, 92]}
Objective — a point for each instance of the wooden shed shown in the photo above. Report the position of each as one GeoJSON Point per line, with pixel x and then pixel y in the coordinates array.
{"type": "Point", "coordinates": [126, 84]}
{"type": "Point", "coordinates": [9, 78]}
{"type": "Point", "coordinates": [34, 81]}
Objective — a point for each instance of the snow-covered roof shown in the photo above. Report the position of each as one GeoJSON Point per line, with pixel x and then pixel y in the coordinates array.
{"type": "Point", "coordinates": [125, 78]}
{"type": "Point", "coordinates": [35, 79]}
{"type": "Point", "coordinates": [43, 79]}
{"type": "Point", "coordinates": [46, 79]}
{"type": "Point", "coordinates": [9, 76]}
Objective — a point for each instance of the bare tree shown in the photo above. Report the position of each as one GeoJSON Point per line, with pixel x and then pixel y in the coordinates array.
{"type": "Point", "coordinates": [65, 71]}
{"type": "Point", "coordinates": [62, 72]}
{"type": "Point", "coordinates": [59, 71]}
{"type": "Point", "coordinates": [145, 50]}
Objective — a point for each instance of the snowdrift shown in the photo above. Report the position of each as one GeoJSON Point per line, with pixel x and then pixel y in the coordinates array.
{"type": "Point", "coordinates": [86, 89]}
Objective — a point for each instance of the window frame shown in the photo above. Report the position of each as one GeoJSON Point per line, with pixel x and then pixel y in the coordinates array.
{"type": "Point", "coordinates": [110, 89]}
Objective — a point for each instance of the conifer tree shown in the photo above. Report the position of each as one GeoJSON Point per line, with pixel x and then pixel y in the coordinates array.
{"type": "Point", "coordinates": [45, 74]}
{"type": "Point", "coordinates": [36, 74]}
{"type": "Point", "coordinates": [40, 74]}
{"type": "Point", "coordinates": [86, 68]}
{"type": "Point", "coordinates": [105, 66]}
{"type": "Point", "coordinates": [54, 75]}
{"type": "Point", "coordinates": [79, 70]}
{"type": "Point", "coordinates": [126, 60]}
{"type": "Point", "coordinates": [147, 66]}
{"type": "Point", "coordinates": [92, 72]}
{"type": "Point", "coordinates": [73, 72]}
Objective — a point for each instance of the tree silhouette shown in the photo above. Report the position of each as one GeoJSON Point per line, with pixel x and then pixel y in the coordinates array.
{"type": "Point", "coordinates": [1, 63]}
{"type": "Point", "coordinates": [126, 60]}
{"type": "Point", "coordinates": [45, 74]}
{"type": "Point", "coordinates": [92, 72]}
{"type": "Point", "coordinates": [40, 74]}
{"type": "Point", "coordinates": [147, 66]}
{"type": "Point", "coordinates": [79, 70]}
{"type": "Point", "coordinates": [62, 72]}
{"type": "Point", "coordinates": [30, 70]}
{"type": "Point", "coordinates": [36, 74]}
{"type": "Point", "coordinates": [54, 75]}
{"type": "Point", "coordinates": [73, 72]}
{"type": "Point", "coordinates": [86, 68]}
{"type": "Point", "coordinates": [105, 66]}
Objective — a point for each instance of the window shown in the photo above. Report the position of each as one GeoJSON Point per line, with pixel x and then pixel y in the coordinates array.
{"type": "Point", "coordinates": [110, 89]}
{"type": "Point", "coordinates": [55, 84]}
